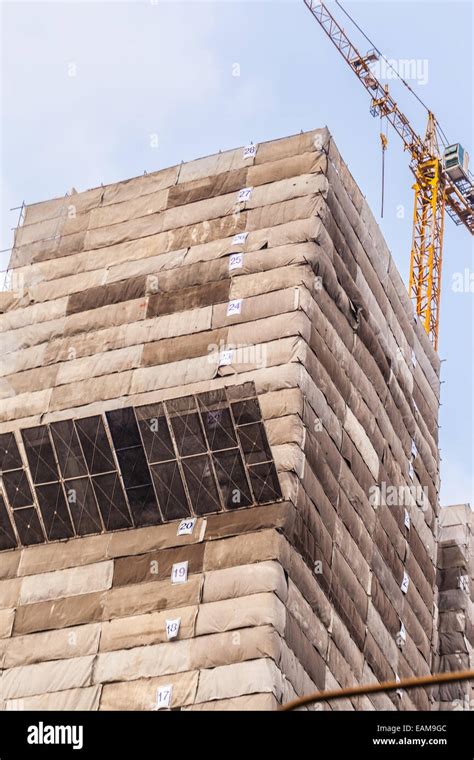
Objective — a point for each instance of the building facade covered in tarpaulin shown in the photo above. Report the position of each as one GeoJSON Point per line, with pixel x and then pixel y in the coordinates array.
{"type": "Point", "coordinates": [218, 445]}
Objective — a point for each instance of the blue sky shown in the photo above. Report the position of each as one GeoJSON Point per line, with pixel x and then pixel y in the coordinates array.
{"type": "Point", "coordinates": [163, 72]}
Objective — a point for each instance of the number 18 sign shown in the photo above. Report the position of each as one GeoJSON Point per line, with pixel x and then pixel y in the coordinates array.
{"type": "Point", "coordinates": [172, 628]}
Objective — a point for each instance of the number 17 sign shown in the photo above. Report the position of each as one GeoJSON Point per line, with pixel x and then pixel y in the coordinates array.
{"type": "Point", "coordinates": [163, 697]}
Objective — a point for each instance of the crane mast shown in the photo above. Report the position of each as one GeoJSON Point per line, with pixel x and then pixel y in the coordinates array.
{"type": "Point", "coordinates": [434, 190]}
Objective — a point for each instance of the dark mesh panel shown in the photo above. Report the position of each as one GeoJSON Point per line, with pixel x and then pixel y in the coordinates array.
{"type": "Point", "coordinates": [134, 467]}
{"type": "Point", "coordinates": [28, 526]}
{"type": "Point", "coordinates": [219, 429]}
{"type": "Point", "coordinates": [188, 434]}
{"type": "Point", "coordinates": [123, 428]}
{"type": "Point", "coordinates": [52, 504]}
{"type": "Point", "coordinates": [40, 454]}
{"type": "Point", "coordinates": [10, 457]}
{"type": "Point", "coordinates": [246, 411]}
{"type": "Point", "coordinates": [68, 450]}
{"type": "Point", "coordinates": [264, 480]}
{"type": "Point", "coordinates": [7, 534]}
{"type": "Point", "coordinates": [253, 440]}
{"type": "Point", "coordinates": [83, 506]}
{"type": "Point", "coordinates": [95, 445]}
{"type": "Point", "coordinates": [111, 500]}
{"type": "Point", "coordinates": [231, 478]}
{"type": "Point", "coordinates": [18, 489]}
{"type": "Point", "coordinates": [170, 491]}
{"type": "Point", "coordinates": [143, 505]}
{"type": "Point", "coordinates": [201, 484]}
{"type": "Point", "coordinates": [155, 433]}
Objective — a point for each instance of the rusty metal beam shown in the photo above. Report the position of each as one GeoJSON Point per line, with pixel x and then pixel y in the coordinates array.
{"type": "Point", "coordinates": [374, 688]}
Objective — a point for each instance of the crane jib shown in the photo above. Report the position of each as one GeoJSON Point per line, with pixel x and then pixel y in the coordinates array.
{"type": "Point", "coordinates": [435, 188]}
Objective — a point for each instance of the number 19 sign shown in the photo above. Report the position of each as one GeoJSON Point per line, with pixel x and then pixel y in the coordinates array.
{"type": "Point", "coordinates": [179, 572]}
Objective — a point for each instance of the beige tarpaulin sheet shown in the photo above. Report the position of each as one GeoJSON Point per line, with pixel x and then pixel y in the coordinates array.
{"type": "Point", "coordinates": [143, 630]}
{"type": "Point", "coordinates": [52, 676]}
{"type": "Point", "coordinates": [121, 212]}
{"type": "Point", "coordinates": [50, 645]}
{"type": "Point", "coordinates": [205, 651]}
{"type": "Point", "coordinates": [149, 597]}
{"type": "Point", "coordinates": [62, 583]}
{"type": "Point", "coordinates": [242, 580]}
{"type": "Point", "coordinates": [6, 625]}
{"type": "Point", "coordinates": [242, 678]}
{"type": "Point", "coordinates": [141, 693]}
{"type": "Point", "coordinates": [245, 702]}
{"type": "Point", "coordinates": [44, 616]}
{"type": "Point", "coordinates": [86, 698]}
{"type": "Point", "coordinates": [242, 612]}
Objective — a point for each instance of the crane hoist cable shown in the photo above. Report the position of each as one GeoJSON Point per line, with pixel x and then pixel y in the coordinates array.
{"type": "Point", "coordinates": [384, 143]}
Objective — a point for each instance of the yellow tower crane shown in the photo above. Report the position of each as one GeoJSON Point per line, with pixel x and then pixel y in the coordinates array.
{"type": "Point", "coordinates": [442, 181]}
